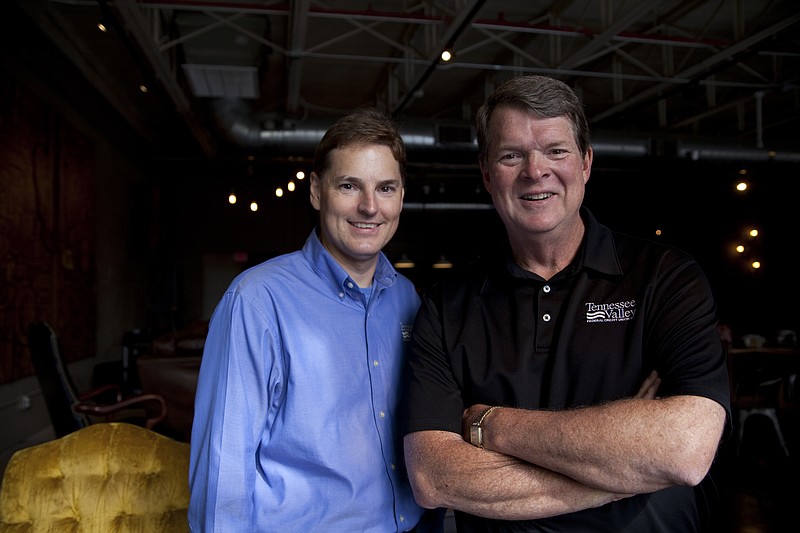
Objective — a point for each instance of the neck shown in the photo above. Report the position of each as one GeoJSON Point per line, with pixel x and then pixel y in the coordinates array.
{"type": "Point", "coordinates": [547, 255]}
{"type": "Point", "coordinates": [362, 272]}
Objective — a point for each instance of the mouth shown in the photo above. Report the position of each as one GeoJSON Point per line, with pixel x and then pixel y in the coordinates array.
{"type": "Point", "coordinates": [533, 197]}
{"type": "Point", "coordinates": [365, 225]}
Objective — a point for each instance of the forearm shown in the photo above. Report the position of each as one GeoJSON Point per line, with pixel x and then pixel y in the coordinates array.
{"type": "Point", "coordinates": [447, 472]}
{"type": "Point", "coordinates": [629, 446]}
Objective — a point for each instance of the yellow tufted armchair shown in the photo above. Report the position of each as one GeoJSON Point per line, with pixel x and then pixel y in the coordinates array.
{"type": "Point", "coordinates": [105, 478]}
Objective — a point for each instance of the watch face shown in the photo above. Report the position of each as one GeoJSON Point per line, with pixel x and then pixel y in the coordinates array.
{"type": "Point", "coordinates": [476, 435]}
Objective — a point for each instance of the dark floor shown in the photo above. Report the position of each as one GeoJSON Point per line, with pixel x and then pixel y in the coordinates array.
{"type": "Point", "coordinates": [760, 485]}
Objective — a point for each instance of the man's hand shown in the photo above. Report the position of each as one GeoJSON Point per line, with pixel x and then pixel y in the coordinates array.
{"type": "Point", "coordinates": [649, 387]}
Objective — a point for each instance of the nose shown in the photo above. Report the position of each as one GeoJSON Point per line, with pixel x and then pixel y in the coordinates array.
{"type": "Point", "coordinates": [368, 204]}
{"type": "Point", "coordinates": [536, 165]}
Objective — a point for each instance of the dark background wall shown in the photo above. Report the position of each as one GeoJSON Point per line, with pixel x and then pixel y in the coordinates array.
{"type": "Point", "coordinates": [103, 236]}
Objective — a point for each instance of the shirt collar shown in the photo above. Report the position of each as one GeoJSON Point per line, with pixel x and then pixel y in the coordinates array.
{"type": "Point", "coordinates": [596, 252]}
{"type": "Point", "coordinates": [326, 267]}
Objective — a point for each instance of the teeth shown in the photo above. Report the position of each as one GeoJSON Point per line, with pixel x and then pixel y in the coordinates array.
{"type": "Point", "coordinates": [364, 225]}
{"type": "Point", "coordinates": [541, 196]}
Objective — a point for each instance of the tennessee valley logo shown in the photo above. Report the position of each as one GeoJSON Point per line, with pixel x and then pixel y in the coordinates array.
{"type": "Point", "coordinates": [611, 312]}
{"type": "Point", "coordinates": [405, 329]}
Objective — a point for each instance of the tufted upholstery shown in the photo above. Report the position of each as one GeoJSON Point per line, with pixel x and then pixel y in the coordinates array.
{"type": "Point", "coordinates": [104, 478]}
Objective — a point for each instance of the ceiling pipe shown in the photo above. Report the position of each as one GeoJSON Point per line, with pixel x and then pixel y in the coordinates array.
{"type": "Point", "coordinates": [759, 119]}
{"type": "Point", "coordinates": [428, 138]}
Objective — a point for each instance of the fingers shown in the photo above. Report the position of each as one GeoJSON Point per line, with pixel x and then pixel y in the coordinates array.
{"type": "Point", "coordinates": [649, 387]}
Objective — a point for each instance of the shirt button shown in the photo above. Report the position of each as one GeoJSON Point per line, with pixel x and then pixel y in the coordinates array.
{"type": "Point", "coordinates": [349, 284]}
{"type": "Point", "coordinates": [375, 362]}
{"type": "Point", "coordinates": [382, 414]}
{"type": "Point", "coordinates": [402, 518]}
{"type": "Point", "coordinates": [393, 466]}
{"type": "Point", "coordinates": [546, 288]}
{"type": "Point", "coordinates": [341, 295]}
{"type": "Point", "coordinates": [546, 317]}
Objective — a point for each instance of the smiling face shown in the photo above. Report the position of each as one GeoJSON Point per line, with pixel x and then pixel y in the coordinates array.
{"type": "Point", "coordinates": [536, 175]}
{"type": "Point", "coordinates": [359, 198]}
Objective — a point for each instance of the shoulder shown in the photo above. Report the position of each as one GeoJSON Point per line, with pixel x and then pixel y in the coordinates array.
{"type": "Point", "coordinates": [273, 271]}
{"type": "Point", "coordinates": [460, 285]}
{"type": "Point", "coordinates": [260, 286]}
{"type": "Point", "coordinates": [661, 268]}
{"type": "Point", "coordinates": [633, 251]}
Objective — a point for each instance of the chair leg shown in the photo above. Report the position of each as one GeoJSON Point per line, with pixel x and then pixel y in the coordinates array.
{"type": "Point", "coordinates": [770, 413]}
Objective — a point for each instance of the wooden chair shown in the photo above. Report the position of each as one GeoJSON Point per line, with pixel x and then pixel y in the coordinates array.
{"type": "Point", "coordinates": [105, 477]}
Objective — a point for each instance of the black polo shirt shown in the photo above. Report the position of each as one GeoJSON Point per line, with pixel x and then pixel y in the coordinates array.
{"type": "Point", "coordinates": [499, 335]}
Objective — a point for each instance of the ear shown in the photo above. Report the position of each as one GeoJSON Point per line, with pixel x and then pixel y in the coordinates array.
{"type": "Point", "coordinates": [586, 167]}
{"type": "Point", "coordinates": [314, 188]}
{"type": "Point", "coordinates": [487, 180]}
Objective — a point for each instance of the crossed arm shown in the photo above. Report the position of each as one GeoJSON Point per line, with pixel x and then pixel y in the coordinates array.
{"type": "Point", "coordinates": [544, 463]}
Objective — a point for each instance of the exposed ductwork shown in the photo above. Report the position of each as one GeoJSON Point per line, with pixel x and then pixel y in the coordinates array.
{"type": "Point", "coordinates": [445, 139]}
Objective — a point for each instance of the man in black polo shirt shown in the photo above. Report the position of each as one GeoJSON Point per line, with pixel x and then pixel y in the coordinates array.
{"type": "Point", "coordinates": [523, 406]}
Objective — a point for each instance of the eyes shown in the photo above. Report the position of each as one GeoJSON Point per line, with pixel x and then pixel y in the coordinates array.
{"type": "Point", "coordinates": [386, 189]}
{"type": "Point", "coordinates": [510, 157]}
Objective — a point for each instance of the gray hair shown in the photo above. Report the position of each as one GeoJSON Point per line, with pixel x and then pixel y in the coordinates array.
{"type": "Point", "coordinates": [540, 96]}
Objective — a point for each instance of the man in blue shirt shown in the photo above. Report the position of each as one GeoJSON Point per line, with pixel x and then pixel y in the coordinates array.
{"type": "Point", "coordinates": [296, 411]}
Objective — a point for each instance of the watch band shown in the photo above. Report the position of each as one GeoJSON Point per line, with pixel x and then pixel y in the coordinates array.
{"type": "Point", "coordinates": [476, 431]}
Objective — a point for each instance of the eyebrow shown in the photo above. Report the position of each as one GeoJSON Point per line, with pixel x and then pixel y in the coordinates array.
{"type": "Point", "coordinates": [514, 145]}
{"type": "Point", "coordinates": [381, 182]}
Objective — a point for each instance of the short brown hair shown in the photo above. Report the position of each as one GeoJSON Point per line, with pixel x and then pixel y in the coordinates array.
{"type": "Point", "coordinates": [363, 126]}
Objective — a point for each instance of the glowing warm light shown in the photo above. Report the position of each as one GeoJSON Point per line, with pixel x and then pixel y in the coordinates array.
{"type": "Point", "coordinates": [143, 88]}
{"type": "Point", "coordinates": [741, 186]}
{"type": "Point", "coordinates": [300, 175]}
{"type": "Point", "coordinates": [232, 199]}
{"type": "Point", "coordinates": [756, 264]}
{"type": "Point", "coordinates": [739, 248]}
{"type": "Point", "coordinates": [290, 186]}
{"type": "Point", "coordinates": [753, 233]}
{"type": "Point", "coordinates": [443, 262]}
{"type": "Point", "coordinates": [404, 262]}
{"type": "Point", "coordinates": [253, 206]}
{"type": "Point", "coordinates": [658, 232]}
{"type": "Point", "coordinates": [446, 55]}
{"type": "Point", "coordinates": [102, 27]}
{"type": "Point", "coordinates": [278, 192]}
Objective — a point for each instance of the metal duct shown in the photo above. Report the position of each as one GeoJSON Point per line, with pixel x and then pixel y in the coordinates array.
{"type": "Point", "coordinates": [459, 139]}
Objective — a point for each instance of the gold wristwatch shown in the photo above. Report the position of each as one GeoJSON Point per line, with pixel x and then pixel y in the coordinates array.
{"type": "Point", "coordinates": [476, 431]}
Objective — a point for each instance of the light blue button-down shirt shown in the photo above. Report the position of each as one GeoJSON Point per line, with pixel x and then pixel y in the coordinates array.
{"type": "Point", "coordinates": [296, 414]}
